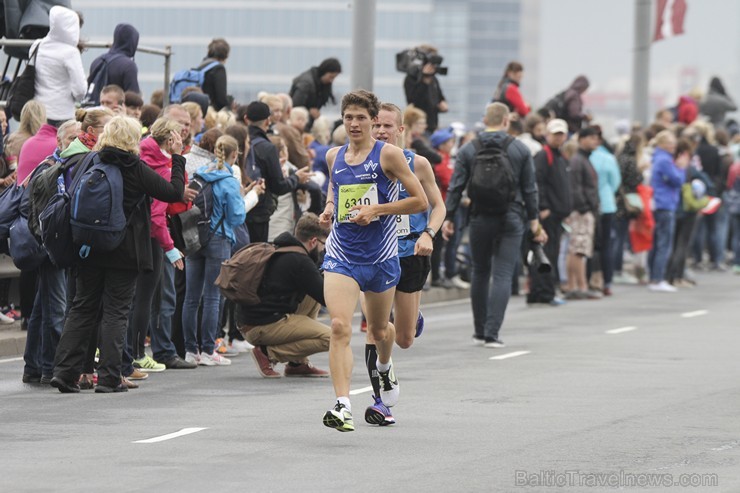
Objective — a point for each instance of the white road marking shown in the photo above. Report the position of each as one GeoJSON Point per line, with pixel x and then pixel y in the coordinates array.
{"type": "Point", "coordinates": [510, 355]}
{"type": "Point", "coordinates": [170, 436]}
{"type": "Point", "coordinates": [10, 360]}
{"type": "Point", "coordinates": [361, 391]}
{"type": "Point", "coordinates": [697, 313]}
{"type": "Point", "coordinates": [620, 330]}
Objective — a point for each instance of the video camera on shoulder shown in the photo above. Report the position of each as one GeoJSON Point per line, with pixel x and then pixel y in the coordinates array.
{"type": "Point", "coordinates": [412, 60]}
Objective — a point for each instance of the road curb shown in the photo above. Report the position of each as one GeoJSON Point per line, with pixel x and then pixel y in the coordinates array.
{"type": "Point", "coordinates": [13, 340]}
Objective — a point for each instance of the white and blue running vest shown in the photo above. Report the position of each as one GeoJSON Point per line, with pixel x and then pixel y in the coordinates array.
{"type": "Point", "coordinates": [363, 245]}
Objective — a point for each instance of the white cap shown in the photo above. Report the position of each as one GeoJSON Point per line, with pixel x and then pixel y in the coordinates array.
{"type": "Point", "coordinates": [557, 125]}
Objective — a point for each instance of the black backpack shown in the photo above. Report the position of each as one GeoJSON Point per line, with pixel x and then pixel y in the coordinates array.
{"type": "Point", "coordinates": [23, 87]}
{"type": "Point", "coordinates": [492, 185]}
{"type": "Point", "coordinates": [204, 203]}
{"type": "Point", "coordinates": [556, 105]}
{"type": "Point", "coordinates": [499, 96]}
{"type": "Point", "coordinates": [98, 80]}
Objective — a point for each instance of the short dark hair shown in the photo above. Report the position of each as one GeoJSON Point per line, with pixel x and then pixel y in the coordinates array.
{"type": "Point", "coordinates": [133, 100]}
{"type": "Point", "coordinates": [363, 99]}
{"type": "Point", "coordinates": [241, 114]}
{"type": "Point", "coordinates": [219, 49]}
{"type": "Point", "coordinates": [330, 65]}
{"type": "Point", "coordinates": [308, 227]}
{"type": "Point", "coordinates": [157, 98]}
{"type": "Point", "coordinates": [209, 138]}
{"type": "Point", "coordinates": [149, 114]}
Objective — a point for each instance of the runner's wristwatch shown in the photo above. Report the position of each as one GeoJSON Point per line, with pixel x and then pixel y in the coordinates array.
{"type": "Point", "coordinates": [430, 231]}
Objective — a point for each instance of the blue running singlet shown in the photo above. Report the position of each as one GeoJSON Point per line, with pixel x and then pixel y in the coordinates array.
{"type": "Point", "coordinates": [361, 184]}
{"type": "Point", "coordinates": [409, 227]}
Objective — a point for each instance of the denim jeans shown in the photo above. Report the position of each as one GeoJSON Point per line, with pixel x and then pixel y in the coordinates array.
{"type": "Point", "coordinates": [163, 348]}
{"type": "Point", "coordinates": [47, 320]}
{"type": "Point", "coordinates": [620, 237]}
{"type": "Point", "coordinates": [607, 255]}
{"type": "Point", "coordinates": [203, 269]}
{"type": "Point", "coordinates": [495, 244]}
{"type": "Point", "coordinates": [712, 232]}
{"type": "Point", "coordinates": [662, 244]}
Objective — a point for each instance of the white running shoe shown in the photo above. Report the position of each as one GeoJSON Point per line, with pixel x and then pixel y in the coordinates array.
{"type": "Point", "coordinates": [389, 388]}
{"type": "Point", "coordinates": [6, 320]}
{"type": "Point", "coordinates": [662, 287]}
{"type": "Point", "coordinates": [213, 359]}
{"type": "Point", "coordinates": [238, 346]}
{"type": "Point", "coordinates": [192, 358]}
{"type": "Point", "coordinates": [459, 283]}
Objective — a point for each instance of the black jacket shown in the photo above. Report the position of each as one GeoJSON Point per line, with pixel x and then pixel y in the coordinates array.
{"type": "Point", "coordinates": [122, 69]}
{"type": "Point", "coordinates": [424, 96]}
{"type": "Point", "coordinates": [139, 181]}
{"type": "Point", "coordinates": [288, 278]}
{"type": "Point", "coordinates": [553, 182]}
{"type": "Point", "coordinates": [308, 91]}
{"type": "Point", "coordinates": [584, 183]}
{"type": "Point", "coordinates": [215, 85]}
{"type": "Point", "coordinates": [423, 149]}
{"type": "Point", "coordinates": [711, 164]}
{"type": "Point", "coordinates": [263, 155]}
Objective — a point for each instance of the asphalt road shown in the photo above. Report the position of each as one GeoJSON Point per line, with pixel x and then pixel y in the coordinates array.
{"type": "Point", "coordinates": [581, 410]}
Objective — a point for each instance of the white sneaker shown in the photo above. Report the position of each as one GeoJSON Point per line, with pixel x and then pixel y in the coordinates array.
{"type": "Point", "coordinates": [214, 359]}
{"type": "Point", "coordinates": [459, 283]}
{"type": "Point", "coordinates": [662, 287]}
{"type": "Point", "coordinates": [6, 320]}
{"type": "Point", "coordinates": [192, 358]}
{"type": "Point", "coordinates": [240, 346]}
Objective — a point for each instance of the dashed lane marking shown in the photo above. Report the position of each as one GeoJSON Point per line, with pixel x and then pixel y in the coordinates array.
{"type": "Point", "coordinates": [697, 313]}
{"type": "Point", "coordinates": [170, 436]}
{"type": "Point", "coordinates": [510, 355]}
{"type": "Point", "coordinates": [621, 330]}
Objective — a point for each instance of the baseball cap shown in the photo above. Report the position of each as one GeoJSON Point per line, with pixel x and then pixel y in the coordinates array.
{"type": "Point", "coordinates": [257, 111]}
{"type": "Point", "coordinates": [557, 125]}
{"type": "Point", "coordinates": [440, 137]}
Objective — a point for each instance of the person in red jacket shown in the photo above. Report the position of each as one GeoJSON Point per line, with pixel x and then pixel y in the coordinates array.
{"type": "Point", "coordinates": [687, 110]}
{"type": "Point", "coordinates": [507, 91]}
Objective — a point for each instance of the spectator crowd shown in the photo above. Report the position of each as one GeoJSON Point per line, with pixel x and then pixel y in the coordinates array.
{"type": "Point", "coordinates": [650, 207]}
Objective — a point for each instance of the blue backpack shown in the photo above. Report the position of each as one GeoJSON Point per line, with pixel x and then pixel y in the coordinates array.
{"type": "Point", "coordinates": [97, 216]}
{"type": "Point", "coordinates": [26, 251]}
{"type": "Point", "coordinates": [54, 220]}
{"type": "Point", "coordinates": [187, 78]}
{"type": "Point", "coordinates": [10, 203]}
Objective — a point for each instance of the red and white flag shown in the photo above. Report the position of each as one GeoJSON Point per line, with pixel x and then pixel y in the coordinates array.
{"type": "Point", "coordinates": [669, 19]}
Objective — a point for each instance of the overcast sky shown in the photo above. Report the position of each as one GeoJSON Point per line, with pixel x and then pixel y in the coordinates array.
{"type": "Point", "coordinates": [595, 37]}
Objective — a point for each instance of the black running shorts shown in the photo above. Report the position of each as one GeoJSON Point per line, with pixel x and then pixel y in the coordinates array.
{"type": "Point", "coordinates": [414, 272]}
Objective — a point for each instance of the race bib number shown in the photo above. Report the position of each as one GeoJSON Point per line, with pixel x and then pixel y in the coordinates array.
{"type": "Point", "coordinates": [352, 195]}
{"type": "Point", "coordinates": [403, 225]}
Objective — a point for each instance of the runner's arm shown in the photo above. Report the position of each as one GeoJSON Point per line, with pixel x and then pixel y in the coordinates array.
{"type": "Point", "coordinates": [425, 174]}
{"type": "Point", "coordinates": [325, 217]}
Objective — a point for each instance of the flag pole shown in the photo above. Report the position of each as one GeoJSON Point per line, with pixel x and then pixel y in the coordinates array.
{"type": "Point", "coordinates": [641, 62]}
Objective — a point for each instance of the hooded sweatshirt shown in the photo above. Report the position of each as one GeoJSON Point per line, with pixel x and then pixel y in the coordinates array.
{"type": "Point", "coordinates": [227, 200]}
{"type": "Point", "coordinates": [122, 69]}
{"type": "Point", "coordinates": [666, 179]}
{"type": "Point", "coordinates": [160, 162]}
{"type": "Point", "coordinates": [60, 76]}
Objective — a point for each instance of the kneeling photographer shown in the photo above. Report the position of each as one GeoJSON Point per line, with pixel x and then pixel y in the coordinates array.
{"type": "Point", "coordinates": [421, 65]}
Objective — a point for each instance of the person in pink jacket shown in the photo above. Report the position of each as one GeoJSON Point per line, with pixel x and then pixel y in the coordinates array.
{"type": "Point", "coordinates": [156, 151]}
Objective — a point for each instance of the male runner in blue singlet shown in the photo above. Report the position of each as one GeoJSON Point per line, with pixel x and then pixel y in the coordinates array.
{"type": "Point", "coordinates": [362, 248]}
{"type": "Point", "coordinates": [415, 234]}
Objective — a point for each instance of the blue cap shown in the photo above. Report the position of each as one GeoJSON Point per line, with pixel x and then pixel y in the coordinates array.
{"type": "Point", "coordinates": [440, 137]}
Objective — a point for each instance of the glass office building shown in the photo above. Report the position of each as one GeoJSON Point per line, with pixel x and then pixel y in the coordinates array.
{"type": "Point", "coordinates": [272, 41]}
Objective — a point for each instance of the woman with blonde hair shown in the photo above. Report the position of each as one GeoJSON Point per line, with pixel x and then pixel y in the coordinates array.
{"type": "Point", "coordinates": [196, 119]}
{"type": "Point", "coordinates": [414, 137]}
{"type": "Point", "coordinates": [105, 281]}
{"type": "Point", "coordinates": [204, 265]}
{"type": "Point", "coordinates": [33, 115]}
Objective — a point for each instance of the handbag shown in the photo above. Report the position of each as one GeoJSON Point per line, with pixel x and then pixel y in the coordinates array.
{"type": "Point", "coordinates": [184, 231]}
{"type": "Point", "coordinates": [23, 89]}
{"type": "Point", "coordinates": [633, 203]}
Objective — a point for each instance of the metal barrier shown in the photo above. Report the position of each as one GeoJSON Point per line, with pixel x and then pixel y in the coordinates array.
{"type": "Point", "coordinates": [166, 53]}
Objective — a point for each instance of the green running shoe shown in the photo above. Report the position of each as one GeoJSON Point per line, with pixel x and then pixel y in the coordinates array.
{"type": "Point", "coordinates": [148, 365]}
{"type": "Point", "coordinates": [339, 418]}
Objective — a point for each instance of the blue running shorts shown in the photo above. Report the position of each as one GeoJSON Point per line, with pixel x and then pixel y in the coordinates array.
{"type": "Point", "coordinates": [374, 278]}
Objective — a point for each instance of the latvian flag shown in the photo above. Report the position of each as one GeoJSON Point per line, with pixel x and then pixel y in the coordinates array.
{"type": "Point", "coordinates": [669, 21]}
